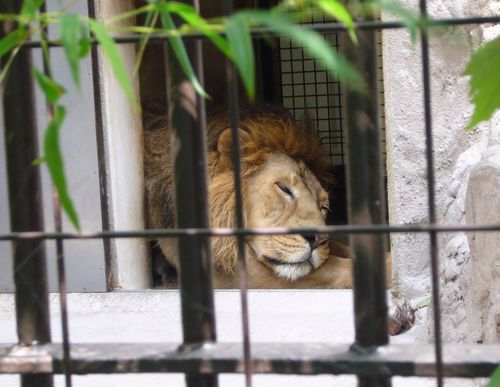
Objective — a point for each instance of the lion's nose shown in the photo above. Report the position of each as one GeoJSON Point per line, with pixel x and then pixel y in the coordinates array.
{"type": "Point", "coordinates": [313, 240]}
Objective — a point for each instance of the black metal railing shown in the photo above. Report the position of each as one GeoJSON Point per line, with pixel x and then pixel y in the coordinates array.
{"type": "Point", "coordinates": [201, 363]}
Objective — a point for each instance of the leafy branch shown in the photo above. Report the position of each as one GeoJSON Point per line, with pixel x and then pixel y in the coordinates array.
{"type": "Point", "coordinates": [230, 35]}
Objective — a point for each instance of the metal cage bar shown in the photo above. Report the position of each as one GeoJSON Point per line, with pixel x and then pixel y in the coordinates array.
{"type": "Point", "coordinates": [60, 258]}
{"type": "Point", "coordinates": [429, 149]}
{"type": "Point", "coordinates": [327, 27]}
{"type": "Point", "coordinates": [366, 204]}
{"type": "Point", "coordinates": [102, 152]}
{"type": "Point", "coordinates": [227, 232]}
{"type": "Point", "coordinates": [233, 110]}
{"type": "Point", "coordinates": [25, 202]}
{"type": "Point", "coordinates": [370, 358]}
{"type": "Point", "coordinates": [187, 119]}
{"type": "Point", "coordinates": [461, 360]}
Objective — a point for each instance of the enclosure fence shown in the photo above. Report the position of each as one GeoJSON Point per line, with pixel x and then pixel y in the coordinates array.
{"type": "Point", "coordinates": [200, 357]}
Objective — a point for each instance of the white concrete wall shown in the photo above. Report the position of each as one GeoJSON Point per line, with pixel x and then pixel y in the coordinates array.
{"type": "Point", "coordinates": [84, 259]}
{"type": "Point", "coordinates": [456, 155]}
{"type": "Point", "coordinates": [130, 262]}
{"type": "Point", "coordinates": [6, 276]}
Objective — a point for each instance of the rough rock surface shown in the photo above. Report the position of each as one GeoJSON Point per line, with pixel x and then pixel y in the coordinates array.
{"type": "Point", "coordinates": [466, 168]}
{"type": "Point", "coordinates": [483, 274]}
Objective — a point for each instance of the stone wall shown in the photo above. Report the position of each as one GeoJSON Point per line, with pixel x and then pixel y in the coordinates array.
{"type": "Point", "coordinates": [467, 168]}
{"type": "Point", "coordinates": [482, 304]}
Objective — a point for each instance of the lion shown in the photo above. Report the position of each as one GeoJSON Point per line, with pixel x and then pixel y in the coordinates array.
{"type": "Point", "coordinates": [283, 178]}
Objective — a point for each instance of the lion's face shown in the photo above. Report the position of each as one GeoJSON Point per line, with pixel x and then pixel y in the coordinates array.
{"type": "Point", "coordinates": [285, 193]}
{"type": "Point", "coordinates": [278, 191]}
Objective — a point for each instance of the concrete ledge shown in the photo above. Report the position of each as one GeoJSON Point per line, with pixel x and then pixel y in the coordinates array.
{"type": "Point", "coordinates": [276, 316]}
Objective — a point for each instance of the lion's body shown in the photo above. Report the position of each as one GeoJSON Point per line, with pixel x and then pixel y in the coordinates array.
{"type": "Point", "coordinates": [282, 173]}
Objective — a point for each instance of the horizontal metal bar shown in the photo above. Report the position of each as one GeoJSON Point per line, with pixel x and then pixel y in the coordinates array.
{"type": "Point", "coordinates": [460, 360]}
{"type": "Point", "coordinates": [228, 232]}
{"type": "Point", "coordinates": [263, 31]}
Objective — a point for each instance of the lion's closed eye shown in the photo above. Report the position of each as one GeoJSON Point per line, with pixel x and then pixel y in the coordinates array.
{"type": "Point", "coordinates": [284, 188]}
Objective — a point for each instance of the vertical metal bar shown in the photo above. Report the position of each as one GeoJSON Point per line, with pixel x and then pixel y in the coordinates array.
{"type": "Point", "coordinates": [25, 201]}
{"type": "Point", "coordinates": [431, 196]}
{"type": "Point", "coordinates": [233, 107]}
{"type": "Point", "coordinates": [188, 146]}
{"type": "Point", "coordinates": [61, 272]}
{"type": "Point", "coordinates": [234, 124]}
{"type": "Point", "coordinates": [366, 204]}
{"type": "Point", "coordinates": [104, 177]}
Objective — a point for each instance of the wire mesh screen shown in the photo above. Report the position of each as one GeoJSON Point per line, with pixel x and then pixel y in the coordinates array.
{"type": "Point", "coordinates": [306, 86]}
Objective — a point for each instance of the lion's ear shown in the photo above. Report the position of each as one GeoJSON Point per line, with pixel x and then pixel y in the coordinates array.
{"type": "Point", "coordinates": [224, 143]}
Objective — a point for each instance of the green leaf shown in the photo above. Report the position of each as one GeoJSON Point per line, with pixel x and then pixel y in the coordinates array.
{"type": "Point", "coordinates": [240, 41]}
{"type": "Point", "coordinates": [28, 11]}
{"type": "Point", "coordinates": [181, 54]}
{"type": "Point", "coordinates": [30, 7]}
{"type": "Point", "coordinates": [189, 14]}
{"type": "Point", "coordinates": [11, 40]}
{"type": "Point", "coordinates": [37, 161]}
{"type": "Point", "coordinates": [408, 18]}
{"type": "Point", "coordinates": [422, 304]}
{"type": "Point", "coordinates": [150, 21]}
{"type": "Point", "coordinates": [84, 41]}
{"type": "Point", "coordinates": [115, 59]}
{"type": "Point", "coordinates": [52, 90]}
{"type": "Point", "coordinates": [495, 379]}
{"type": "Point", "coordinates": [174, 7]}
{"type": "Point", "coordinates": [200, 23]}
{"type": "Point", "coordinates": [55, 163]}
{"type": "Point", "coordinates": [484, 85]}
{"type": "Point", "coordinates": [70, 37]}
{"type": "Point", "coordinates": [191, 17]}
{"type": "Point", "coordinates": [312, 42]}
{"type": "Point", "coordinates": [338, 11]}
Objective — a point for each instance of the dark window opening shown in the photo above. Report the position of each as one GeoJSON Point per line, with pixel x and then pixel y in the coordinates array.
{"type": "Point", "coordinates": [286, 75]}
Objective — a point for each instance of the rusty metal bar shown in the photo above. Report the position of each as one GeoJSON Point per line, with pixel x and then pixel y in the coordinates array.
{"type": "Point", "coordinates": [158, 38]}
{"type": "Point", "coordinates": [234, 124]}
{"type": "Point", "coordinates": [366, 204]}
{"type": "Point", "coordinates": [25, 201]}
{"type": "Point", "coordinates": [460, 360]}
{"type": "Point", "coordinates": [187, 117]}
{"type": "Point", "coordinates": [102, 153]}
{"type": "Point", "coordinates": [233, 108]}
{"type": "Point", "coordinates": [434, 255]}
{"type": "Point", "coordinates": [226, 232]}
{"type": "Point", "coordinates": [63, 293]}
{"type": "Point", "coordinates": [57, 212]}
